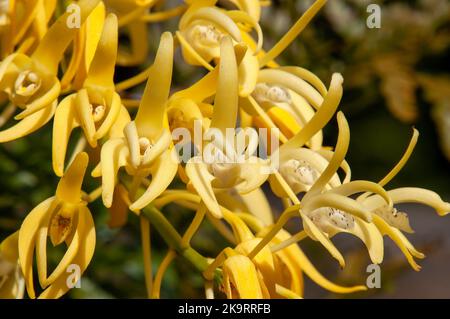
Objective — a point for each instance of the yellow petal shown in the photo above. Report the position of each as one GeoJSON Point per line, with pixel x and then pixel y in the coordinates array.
{"type": "Point", "coordinates": [371, 237]}
{"type": "Point", "coordinates": [201, 179]}
{"type": "Point", "coordinates": [286, 293]}
{"type": "Point", "coordinates": [150, 116]}
{"type": "Point", "coordinates": [163, 172]}
{"type": "Point", "coordinates": [101, 71]}
{"type": "Point", "coordinates": [308, 76]}
{"type": "Point", "coordinates": [263, 261]}
{"type": "Point", "coordinates": [69, 186]}
{"type": "Point", "coordinates": [355, 187]}
{"type": "Point", "coordinates": [63, 124]}
{"type": "Point", "coordinates": [226, 100]}
{"type": "Point", "coordinates": [322, 116]}
{"type": "Point", "coordinates": [113, 156]}
{"type": "Point", "coordinates": [240, 272]}
{"type": "Point", "coordinates": [316, 234]}
{"type": "Point", "coordinates": [29, 124]}
{"type": "Point", "coordinates": [338, 156]}
{"type": "Point", "coordinates": [248, 74]}
{"type": "Point", "coordinates": [94, 25]}
{"type": "Point", "coordinates": [242, 17]}
{"type": "Point", "coordinates": [27, 234]}
{"type": "Point", "coordinates": [84, 113]}
{"type": "Point", "coordinates": [51, 48]}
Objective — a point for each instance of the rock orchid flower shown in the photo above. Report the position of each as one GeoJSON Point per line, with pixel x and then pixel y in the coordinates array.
{"type": "Point", "coordinates": [146, 147]}
{"type": "Point", "coordinates": [94, 108]}
{"type": "Point", "coordinates": [65, 219]}
{"type": "Point", "coordinates": [30, 83]}
{"type": "Point", "coordinates": [228, 173]}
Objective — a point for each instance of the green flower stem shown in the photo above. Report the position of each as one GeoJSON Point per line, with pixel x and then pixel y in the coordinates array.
{"type": "Point", "coordinates": [170, 235]}
{"type": "Point", "coordinates": [173, 238]}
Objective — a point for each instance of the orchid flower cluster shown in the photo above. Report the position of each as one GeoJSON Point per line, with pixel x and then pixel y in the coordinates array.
{"type": "Point", "coordinates": [52, 73]}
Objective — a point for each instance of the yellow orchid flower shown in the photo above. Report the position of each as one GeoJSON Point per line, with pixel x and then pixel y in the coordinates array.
{"type": "Point", "coordinates": [84, 48]}
{"type": "Point", "coordinates": [275, 267]}
{"type": "Point", "coordinates": [64, 218]}
{"type": "Point", "coordinates": [392, 223]}
{"type": "Point", "coordinates": [129, 12]}
{"type": "Point", "coordinates": [299, 166]}
{"type": "Point", "coordinates": [12, 284]}
{"type": "Point", "coordinates": [290, 96]}
{"type": "Point", "coordinates": [326, 208]}
{"type": "Point", "coordinates": [30, 82]}
{"type": "Point", "coordinates": [203, 26]}
{"type": "Point", "coordinates": [146, 148]}
{"type": "Point", "coordinates": [243, 172]}
{"type": "Point", "coordinates": [94, 108]}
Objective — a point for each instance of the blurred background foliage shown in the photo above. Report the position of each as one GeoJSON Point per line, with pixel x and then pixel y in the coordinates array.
{"type": "Point", "coordinates": [395, 77]}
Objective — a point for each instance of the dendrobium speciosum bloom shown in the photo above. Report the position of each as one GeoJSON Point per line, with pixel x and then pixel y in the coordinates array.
{"type": "Point", "coordinates": [229, 168]}
{"type": "Point", "coordinates": [96, 106]}
{"type": "Point", "coordinates": [277, 270]}
{"type": "Point", "coordinates": [65, 219]}
{"type": "Point", "coordinates": [30, 83]}
{"type": "Point", "coordinates": [146, 147]}
{"type": "Point", "coordinates": [192, 145]}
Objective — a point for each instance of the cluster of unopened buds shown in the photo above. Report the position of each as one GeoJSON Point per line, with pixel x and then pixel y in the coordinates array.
{"type": "Point", "coordinates": [135, 153]}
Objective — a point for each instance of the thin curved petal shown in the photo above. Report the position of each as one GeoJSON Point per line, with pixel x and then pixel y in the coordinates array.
{"type": "Point", "coordinates": [163, 172]}
{"type": "Point", "coordinates": [323, 115]}
{"type": "Point", "coordinates": [63, 124]}
{"type": "Point", "coordinates": [226, 100]}
{"type": "Point", "coordinates": [29, 124]}
{"type": "Point", "coordinates": [101, 71]}
{"type": "Point", "coordinates": [150, 116]}
{"type": "Point", "coordinates": [201, 179]}
{"type": "Point", "coordinates": [316, 234]}
{"type": "Point", "coordinates": [69, 186]}
{"type": "Point", "coordinates": [113, 156]}
{"type": "Point", "coordinates": [27, 234]}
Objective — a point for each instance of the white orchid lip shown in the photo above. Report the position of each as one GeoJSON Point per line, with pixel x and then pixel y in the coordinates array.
{"type": "Point", "coordinates": [330, 220]}
{"type": "Point", "coordinates": [207, 35]}
{"type": "Point", "coordinates": [27, 84]}
{"type": "Point", "coordinates": [299, 175]}
{"type": "Point", "coordinates": [264, 92]}
{"type": "Point", "coordinates": [143, 150]}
